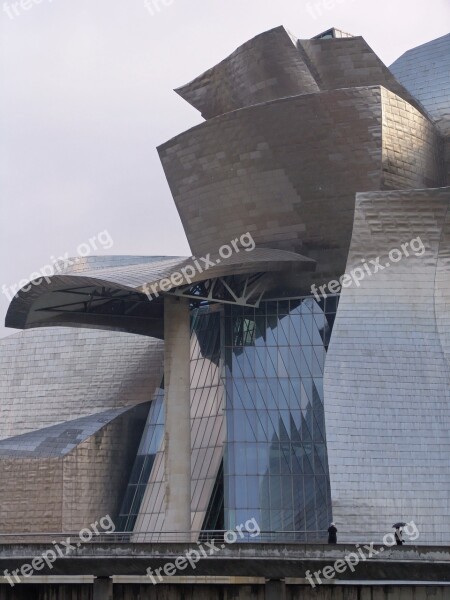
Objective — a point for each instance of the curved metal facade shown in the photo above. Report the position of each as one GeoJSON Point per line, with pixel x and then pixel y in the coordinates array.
{"type": "Point", "coordinates": [387, 377]}
{"type": "Point", "coordinates": [275, 65]}
{"type": "Point", "coordinates": [350, 62]}
{"type": "Point", "coordinates": [424, 72]}
{"type": "Point", "coordinates": [100, 294]}
{"type": "Point", "coordinates": [49, 376]}
{"type": "Point", "coordinates": [267, 67]}
{"type": "Point", "coordinates": [328, 160]}
{"type": "Point", "coordinates": [73, 403]}
{"type": "Point", "coordinates": [288, 170]}
{"type": "Point", "coordinates": [63, 477]}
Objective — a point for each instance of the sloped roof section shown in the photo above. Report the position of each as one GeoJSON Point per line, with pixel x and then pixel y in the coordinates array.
{"type": "Point", "coordinates": [128, 298]}
{"type": "Point", "coordinates": [276, 65]}
{"type": "Point", "coordinates": [267, 67]}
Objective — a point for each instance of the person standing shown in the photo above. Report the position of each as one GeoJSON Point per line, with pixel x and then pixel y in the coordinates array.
{"type": "Point", "coordinates": [332, 534]}
{"type": "Point", "coordinates": [398, 536]}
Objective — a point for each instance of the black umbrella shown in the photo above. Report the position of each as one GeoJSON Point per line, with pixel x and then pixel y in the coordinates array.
{"type": "Point", "coordinates": [399, 524]}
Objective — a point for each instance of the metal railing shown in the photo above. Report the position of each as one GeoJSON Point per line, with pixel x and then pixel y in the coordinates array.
{"type": "Point", "coordinates": [231, 536]}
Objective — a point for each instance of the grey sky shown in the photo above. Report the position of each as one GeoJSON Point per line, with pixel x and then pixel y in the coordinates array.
{"type": "Point", "coordinates": [86, 96]}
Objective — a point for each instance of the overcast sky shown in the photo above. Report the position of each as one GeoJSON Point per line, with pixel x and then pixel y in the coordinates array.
{"type": "Point", "coordinates": [86, 96]}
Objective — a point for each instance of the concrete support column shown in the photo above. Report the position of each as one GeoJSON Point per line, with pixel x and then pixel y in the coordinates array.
{"type": "Point", "coordinates": [103, 589]}
{"type": "Point", "coordinates": [178, 414]}
{"type": "Point", "coordinates": [275, 590]}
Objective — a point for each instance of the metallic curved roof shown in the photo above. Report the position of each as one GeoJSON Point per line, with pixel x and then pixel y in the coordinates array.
{"type": "Point", "coordinates": [424, 71]}
{"type": "Point", "coordinates": [267, 67]}
{"type": "Point", "coordinates": [282, 161]}
{"type": "Point", "coordinates": [275, 65]}
{"type": "Point", "coordinates": [128, 298]}
{"type": "Point", "coordinates": [288, 170]}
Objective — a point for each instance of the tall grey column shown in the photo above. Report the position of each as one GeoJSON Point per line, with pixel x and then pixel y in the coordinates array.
{"type": "Point", "coordinates": [178, 414]}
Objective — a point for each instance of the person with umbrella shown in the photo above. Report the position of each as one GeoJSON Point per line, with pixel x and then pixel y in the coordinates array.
{"type": "Point", "coordinates": [398, 533]}
{"type": "Point", "coordinates": [332, 534]}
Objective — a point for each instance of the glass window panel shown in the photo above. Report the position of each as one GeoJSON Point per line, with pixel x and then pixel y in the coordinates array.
{"type": "Point", "coordinates": [241, 493]}
{"type": "Point", "coordinates": [283, 362]}
{"type": "Point", "coordinates": [283, 394]}
{"type": "Point", "coordinates": [253, 492]}
{"type": "Point", "coordinates": [260, 394]}
{"type": "Point", "coordinates": [263, 458]}
{"type": "Point", "coordinates": [252, 458]}
{"type": "Point", "coordinates": [297, 458]}
{"type": "Point", "coordinates": [260, 333]}
{"type": "Point", "coordinates": [285, 458]}
{"type": "Point", "coordinates": [308, 305]}
{"type": "Point", "coordinates": [284, 425]}
{"type": "Point", "coordinates": [271, 361]}
{"type": "Point", "coordinates": [262, 428]}
{"type": "Point", "coordinates": [296, 426]}
{"type": "Point", "coordinates": [251, 426]}
{"type": "Point", "coordinates": [283, 331]}
{"type": "Point", "coordinates": [295, 393]}
{"type": "Point", "coordinates": [317, 364]}
{"type": "Point", "coordinates": [317, 338]}
{"type": "Point", "coordinates": [318, 388]}
{"type": "Point", "coordinates": [272, 394]}
{"type": "Point", "coordinates": [274, 382]}
{"type": "Point", "coordinates": [294, 361]}
{"type": "Point", "coordinates": [238, 393]}
{"type": "Point", "coordinates": [276, 519]}
{"type": "Point", "coordinates": [308, 460]}
{"type": "Point", "coordinates": [271, 308]}
{"type": "Point", "coordinates": [128, 501]}
{"type": "Point", "coordinates": [137, 501]}
{"type": "Point", "coordinates": [306, 327]}
{"type": "Point", "coordinates": [331, 304]}
{"type": "Point", "coordinates": [295, 329]}
{"type": "Point", "coordinates": [283, 307]}
{"type": "Point", "coordinates": [137, 469]}
{"type": "Point", "coordinates": [271, 330]}
{"type": "Point", "coordinates": [260, 362]}
{"type": "Point", "coordinates": [305, 371]}
{"type": "Point", "coordinates": [249, 362]}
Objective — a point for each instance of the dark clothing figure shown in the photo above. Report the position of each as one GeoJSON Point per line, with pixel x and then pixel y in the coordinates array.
{"type": "Point", "coordinates": [398, 537]}
{"type": "Point", "coordinates": [332, 534]}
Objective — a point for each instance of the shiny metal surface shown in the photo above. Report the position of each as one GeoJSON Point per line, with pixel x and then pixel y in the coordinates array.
{"type": "Point", "coordinates": [67, 299]}
{"type": "Point", "coordinates": [208, 430]}
{"type": "Point", "coordinates": [65, 477]}
{"type": "Point", "coordinates": [387, 377]}
{"type": "Point", "coordinates": [424, 72]}
{"type": "Point", "coordinates": [50, 376]}
{"type": "Point", "coordinates": [288, 170]}
{"type": "Point", "coordinates": [267, 67]}
{"type": "Point", "coordinates": [327, 159]}
{"type": "Point", "coordinates": [275, 65]}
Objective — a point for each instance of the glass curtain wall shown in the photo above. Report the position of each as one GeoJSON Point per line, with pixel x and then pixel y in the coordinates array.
{"type": "Point", "coordinates": [275, 463]}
